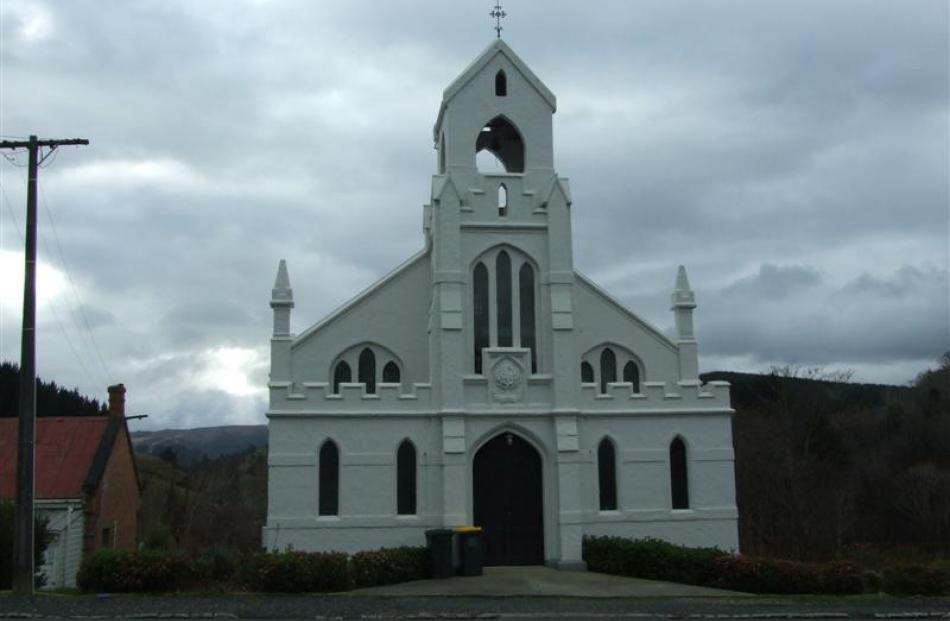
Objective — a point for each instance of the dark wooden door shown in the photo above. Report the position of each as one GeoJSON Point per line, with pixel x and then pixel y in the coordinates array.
{"type": "Point", "coordinates": [508, 501]}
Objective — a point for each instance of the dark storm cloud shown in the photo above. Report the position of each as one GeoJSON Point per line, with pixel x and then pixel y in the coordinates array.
{"type": "Point", "coordinates": [793, 155]}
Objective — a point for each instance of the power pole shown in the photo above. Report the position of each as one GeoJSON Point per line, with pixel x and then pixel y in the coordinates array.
{"type": "Point", "coordinates": [25, 476]}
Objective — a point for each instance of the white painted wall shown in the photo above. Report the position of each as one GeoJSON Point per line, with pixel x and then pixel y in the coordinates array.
{"type": "Point", "coordinates": [63, 557]}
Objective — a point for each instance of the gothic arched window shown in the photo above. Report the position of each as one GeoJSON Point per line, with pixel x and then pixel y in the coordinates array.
{"type": "Point", "coordinates": [366, 373]}
{"type": "Point", "coordinates": [526, 308]}
{"type": "Point", "coordinates": [503, 298]}
{"type": "Point", "coordinates": [502, 140]}
{"type": "Point", "coordinates": [607, 475]}
{"type": "Point", "coordinates": [341, 375]}
{"type": "Point", "coordinates": [501, 84]}
{"type": "Point", "coordinates": [631, 374]}
{"type": "Point", "coordinates": [329, 481]}
{"type": "Point", "coordinates": [391, 373]}
{"type": "Point", "coordinates": [406, 479]}
{"type": "Point", "coordinates": [679, 475]}
{"type": "Point", "coordinates": [608, 368]}
{"type": "Point", "coordinates": [587, 373]}
{"type": "Point", "coordinates": [480, 306]}
{"type": "Point", "coordinates": [502, 200]}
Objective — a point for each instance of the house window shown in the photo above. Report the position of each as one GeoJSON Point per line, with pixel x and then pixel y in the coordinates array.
{"type": "Point", "coordinates": [341, 375]}
{"type": "Point", "coordinates": [367, 370]}
{"type": "Point", "coordinates": [503, 298]}
{"type": "Point", "coordinates": [501, 84]}
{"type": "Point", "coordinates": [329, 482]}
{"type": "Point", "coordinates": [587, 373]}
{"type": "Point", "coordinates": [679, 476]}
{"type": "Point", "coordinates": [608, 369]}
{"type": "Point", "coordinates": [631, 374]}
{"type": "Point", "coordinates": [607, 475]}
{"type": "Point", "coordinates": [526, 299]}
{"type": "Point", "coordinates": [480, 304]}
{"type": "Point", "coordinates": [391, 373]}
{"type": "Point", "coordinates": [406, 479]}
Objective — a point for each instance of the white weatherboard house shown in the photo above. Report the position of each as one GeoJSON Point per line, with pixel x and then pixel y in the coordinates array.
{"type": "Point", "coordinates": [484, 381]}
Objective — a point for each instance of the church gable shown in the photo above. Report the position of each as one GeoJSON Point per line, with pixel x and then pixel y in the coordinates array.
{"type": "Point", "coordinates": [388, 319]}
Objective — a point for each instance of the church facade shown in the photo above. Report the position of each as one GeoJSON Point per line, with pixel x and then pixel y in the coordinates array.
{"type": "Point", "coordinates": [485, 381]}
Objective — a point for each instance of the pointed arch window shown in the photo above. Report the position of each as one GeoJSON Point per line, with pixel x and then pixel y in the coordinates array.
{"type": "Point", "coordinates": [607, 475]}
{"type": "Point", "coordinates": [679, 476]}
{"type": "Point", "coordinates": [631, 374]}
{"type": "Point", "coordinates": [587, 373]}
{"type": "Point", "coordinates": [501, 84]}
{"type": "Point", "coordinates": [341, 375]}
{"type": "Point", "coordinates": [502, 200]}
{"type": "Point", "coordinates": [480, 306]}
{"type": "Point", "coordinates": [367, 370]}
{"type": "Point", "coordinates": [406, 479]}
{"type": "Point", "coordinates": [391, 373]}
{"type": "Point", "coordinates": [608, 368]}
{"type": "Point", "coordinates": [526, 308]}
{"type": "Point", "coordinates": [502, 140]}
{"type": "Point", "coordinates": [329, 482]}
{"type": "Point", "coordinates": [503, 298]}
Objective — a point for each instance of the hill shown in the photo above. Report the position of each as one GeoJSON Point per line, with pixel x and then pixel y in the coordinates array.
{"type": "Point", "coordinates": [193, 445]}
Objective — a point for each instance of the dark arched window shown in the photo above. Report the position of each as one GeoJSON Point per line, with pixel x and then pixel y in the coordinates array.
{"type": "Point", "coordinates": [341, 375]}
{"type": "Point", "coordinates": [406, 479]}
{"type": "Point", "coordinates": [607, 475]}
{"type": "Point", "coordinates": [480, 306]}
{"type": "Point", "coordinates": [366, 374]}
{"type": "Point", "coordinates": [526, 301]}
{"type": "Point", "coordinates": [632, 374]}
{"type": "Point", "coordinates": [502, 200]}
{"type": "Point", "coordinates": [329, 479]}
{"type": "Point", "coordinates": [391, 373]}
{"type": "Point", "coordinates": [587, 373]}
{"type": "Point", "coordinates": [679, 476]}
{"type": "Point", "coordinates": [608, 368]}
{"type": "Point", "coordinates": [501, 84]}
{"type": "Point", "coordinates": [503, 298]}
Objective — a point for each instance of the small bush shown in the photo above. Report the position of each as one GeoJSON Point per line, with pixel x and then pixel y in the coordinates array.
{"type": "Point", "coordinates": [916, 580]}
{"type": "Point", "coordinates": [121, 571]}
{"type": "Point", "coordinates": [297, 572]}
{"type": "Point", "coordinates": [389, 566]}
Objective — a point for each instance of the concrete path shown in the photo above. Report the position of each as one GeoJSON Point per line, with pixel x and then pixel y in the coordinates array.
{"type": "Point", "coordinates": [541, 582]}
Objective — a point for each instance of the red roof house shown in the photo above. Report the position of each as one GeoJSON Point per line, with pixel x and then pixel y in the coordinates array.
{"type": "Point", "coordinates": [84, 466]}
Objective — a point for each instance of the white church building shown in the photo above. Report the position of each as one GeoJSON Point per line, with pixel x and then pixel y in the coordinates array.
{"type": "Point", "coordinates": [486, 382]}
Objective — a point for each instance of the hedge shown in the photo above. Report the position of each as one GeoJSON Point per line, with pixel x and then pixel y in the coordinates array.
{"type": "Point", "coordinates": [658, 560]}
{"type": "Point", "coordinates": [276, 572]}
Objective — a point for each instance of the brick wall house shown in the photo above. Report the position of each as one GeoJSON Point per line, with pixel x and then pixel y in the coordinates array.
{"type": "Point", "coordinates": [87, 484]}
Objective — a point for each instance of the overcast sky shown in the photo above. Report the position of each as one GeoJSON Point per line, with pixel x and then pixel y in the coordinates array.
{"type": "Point", "coordinates": [794, 155]}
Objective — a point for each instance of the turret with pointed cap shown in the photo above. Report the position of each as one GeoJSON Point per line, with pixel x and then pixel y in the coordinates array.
{"type": "Point", "coordinates": [282, 300]}
{"type": "Point", "coordinates": [684, 301]}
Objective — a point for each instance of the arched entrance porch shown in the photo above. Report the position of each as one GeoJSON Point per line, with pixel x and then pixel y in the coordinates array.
{"type": "Point", "coordinates": [508, 500]}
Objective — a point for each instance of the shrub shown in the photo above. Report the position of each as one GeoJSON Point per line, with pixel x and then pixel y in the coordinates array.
{"type": "Point", "coordinates": [389, 566]}
{"type": "Point", "coordinates": [916, 580]}
{"type": "Point", "coordinates": [122, 571]}
{"type": "Point", "coordinates": [652, 559]}
{"type": "Point", "coordinates": [297, 572]}
{"type": "Point", "coordinates": [41, 540]}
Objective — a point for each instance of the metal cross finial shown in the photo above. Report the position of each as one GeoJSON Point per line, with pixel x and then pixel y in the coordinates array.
{"type": "Point", "coordinates": [498, 13]}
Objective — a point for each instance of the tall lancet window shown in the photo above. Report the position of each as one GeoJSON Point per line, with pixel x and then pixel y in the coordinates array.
{"type": "Point", "coordinates": [631, 374]}
{"type": "Point", "coordinates": [406, 479]}
{"type": "Point", "coordinates": [587, 373]}
{"type": "Point", "coordinates": [502, 200]}
{"type": "Point", "coordinates": [341, 375]}
{"type": "Point", "coordinates": [329, 481]}
{"type": "Point", "coordinates": [367, 370]}
{"type": "Point", "coordinates": [503, 298]}
{"type": "Point", "coordinates": [608, 369]}
{"type": "Point", "coordinates": [679, 474]}
{"type": "Point", "coordinates": [501, 84]}
{"type": "Point", "coordinates": [607, 475]}
{"type": "Point", "coordinates": [526, 299]}
{"type": "Point", "coordinates": [391, 373]}
{"type": "Point", "coordinates": [480, 305]}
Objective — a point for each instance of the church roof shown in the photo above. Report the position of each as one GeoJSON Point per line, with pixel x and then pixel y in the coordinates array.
{"type": "Point", "coordinates": [496, 47]}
